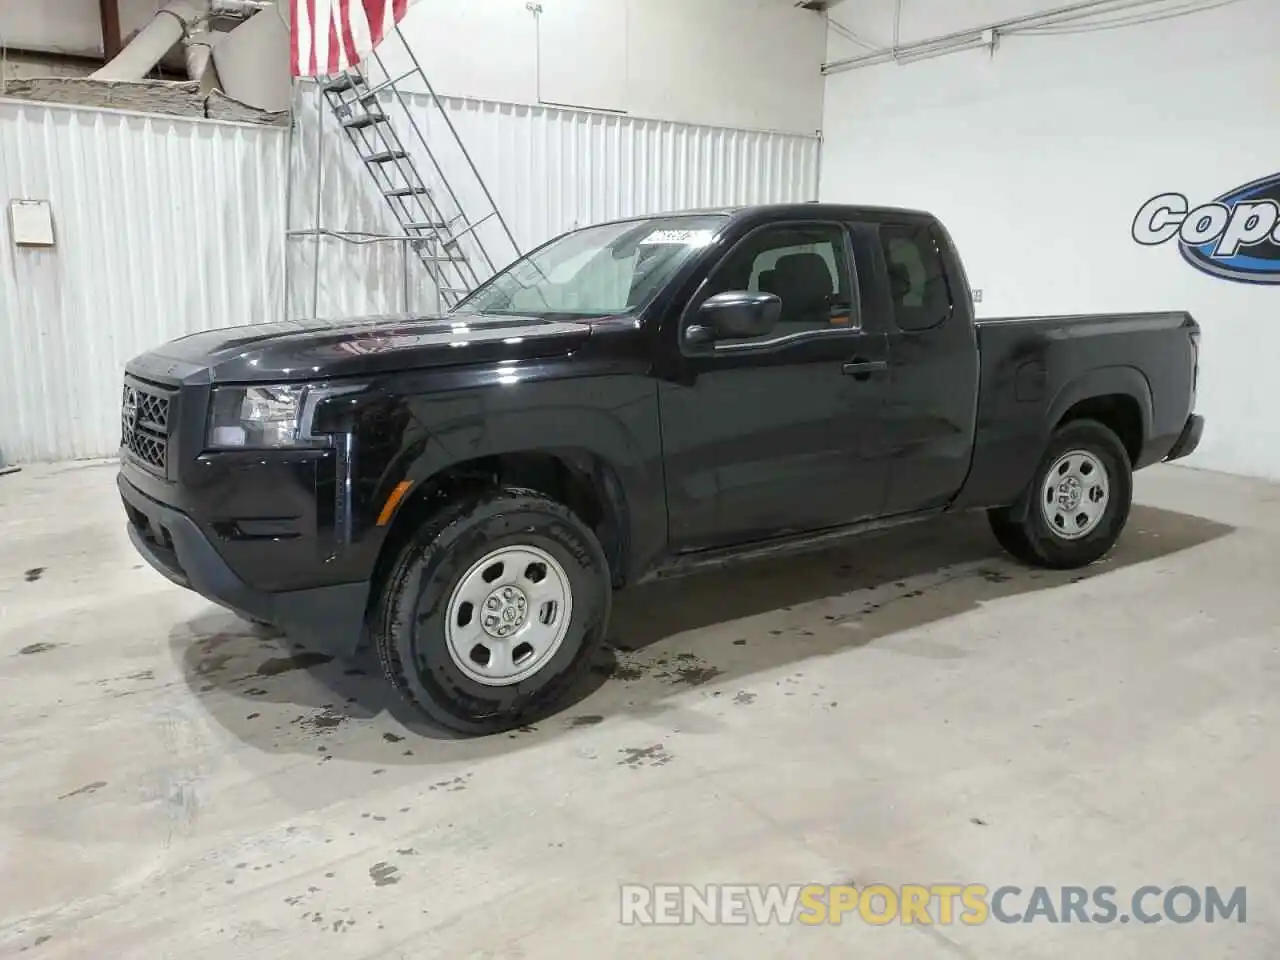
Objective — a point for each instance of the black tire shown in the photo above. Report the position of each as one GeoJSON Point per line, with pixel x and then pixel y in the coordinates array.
{"type": "Point", "coordinates": [1033, 539]}
{"type": "Point", "coordinates": [408, 624]}
{"type": "Point", "coordinates": [1011, 537]}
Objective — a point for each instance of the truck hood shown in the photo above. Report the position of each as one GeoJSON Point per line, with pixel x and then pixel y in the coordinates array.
{"type": "Point", "coordinates": [319, 349]}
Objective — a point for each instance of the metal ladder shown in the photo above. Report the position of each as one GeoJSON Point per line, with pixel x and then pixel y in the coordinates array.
{"type": "Point", "coordinates": [428, 208]}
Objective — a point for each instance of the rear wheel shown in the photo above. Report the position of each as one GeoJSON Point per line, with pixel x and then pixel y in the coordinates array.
{"type": "Point", "coordinates": [493, 609]}
{"type": "Point", "coordinates": [1080, 498]}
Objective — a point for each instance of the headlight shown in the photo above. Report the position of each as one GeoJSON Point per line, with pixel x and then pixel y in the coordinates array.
{"type": "Point", "coordinates": [266, 417]}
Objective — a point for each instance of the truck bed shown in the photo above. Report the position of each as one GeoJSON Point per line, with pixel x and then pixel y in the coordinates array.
{"type": "Point", "coordinates": [1034, 369]}
{"type": "Point", "coordinates": [1080, 324]}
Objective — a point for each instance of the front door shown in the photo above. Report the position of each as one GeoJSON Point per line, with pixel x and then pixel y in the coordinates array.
{"type": "Point", "coordinates": [766, 438]}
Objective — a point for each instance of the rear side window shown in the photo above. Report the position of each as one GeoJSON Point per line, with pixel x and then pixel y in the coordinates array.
{"type": "Point", "coordinates": [917, 278]}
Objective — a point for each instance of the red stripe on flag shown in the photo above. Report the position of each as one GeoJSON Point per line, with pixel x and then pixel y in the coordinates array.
{"type": "Point", "coordinates": [312, 65]}
{"type": "Point", "coordinates": [335, 50]}
{"type": "Point", "coordinates": [376, 10]}
{"type": "Point", "coordinates": [342, 36]}
{"type": "Point", "coordinates": [348, 40]}
{"type": "Point", "coordinates": [293, 39]}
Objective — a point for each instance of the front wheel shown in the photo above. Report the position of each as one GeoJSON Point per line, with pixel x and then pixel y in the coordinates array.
{"type": "Point", "coordinates": [1080, 498]}
{"type": "Point", "coordinates": [493, 609]}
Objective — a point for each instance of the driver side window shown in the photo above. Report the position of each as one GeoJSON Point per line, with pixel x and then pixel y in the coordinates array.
{"type": "Point", "coordinates": [806, 267]}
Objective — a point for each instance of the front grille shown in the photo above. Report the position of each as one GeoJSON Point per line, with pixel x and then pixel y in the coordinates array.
{"type": "Point", "coordinates": [144, 425]}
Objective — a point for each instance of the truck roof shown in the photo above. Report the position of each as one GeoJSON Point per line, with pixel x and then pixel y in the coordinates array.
{"type": "Point", "coordinates": [779, 211]}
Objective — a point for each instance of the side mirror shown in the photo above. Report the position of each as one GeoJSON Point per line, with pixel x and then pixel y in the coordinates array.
{"type": "Point", "coordinates": [734, 314]}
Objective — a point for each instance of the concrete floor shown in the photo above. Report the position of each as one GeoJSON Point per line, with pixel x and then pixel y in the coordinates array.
{"type": "Point", "coordinates": [914, 709]}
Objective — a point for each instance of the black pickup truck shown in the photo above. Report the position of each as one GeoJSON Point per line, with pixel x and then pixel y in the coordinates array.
{"type": "Point", "coordinates": [631, 400]}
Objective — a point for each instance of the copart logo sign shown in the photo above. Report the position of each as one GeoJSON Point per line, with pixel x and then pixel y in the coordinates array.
{"type": "Point", "coordinates": [1235, 236]}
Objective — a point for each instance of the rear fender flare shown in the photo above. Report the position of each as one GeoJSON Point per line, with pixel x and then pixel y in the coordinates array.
{"type": "Point", "coordinates": [1101, 382]}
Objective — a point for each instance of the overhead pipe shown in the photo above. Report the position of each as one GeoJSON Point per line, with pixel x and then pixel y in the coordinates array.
{"type": "Point", "coordinates": [169, 26]}
{"type": "Point", "coordinates": [198, 52]}
{"type": "Point", "coordinates": [977, 36]}
{"type": "Point", "coordinates": [252, 61]}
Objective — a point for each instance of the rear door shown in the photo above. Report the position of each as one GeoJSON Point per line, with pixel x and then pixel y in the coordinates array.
{"type": "Point", "coordinates": [930, 407]}
{"type": "Point", "coordinates": [765, 437]}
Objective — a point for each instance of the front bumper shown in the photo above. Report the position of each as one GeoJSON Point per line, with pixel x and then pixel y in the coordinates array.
{"type": "Point", "coordinates": [1188, 440]}
{"type": "Point", "coordinates": [329, 618]}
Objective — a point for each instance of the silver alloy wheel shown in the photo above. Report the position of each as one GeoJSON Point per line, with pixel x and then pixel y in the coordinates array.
{"type": "Point", "coordinates": [508, 615]}
{"type": "Point", "coordinates": [1075, 494]}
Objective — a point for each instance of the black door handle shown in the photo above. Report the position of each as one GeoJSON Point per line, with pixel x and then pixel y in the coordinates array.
{"type": "Point", "coordinates": [863, 369]}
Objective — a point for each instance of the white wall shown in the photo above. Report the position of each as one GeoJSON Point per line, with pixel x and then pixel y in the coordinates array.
{"type": "Point", "coordinates": [549, 169]}
{"type": "Point", "coordinates": [168, 225]}
{"type": "Point", "coordinates": [751, 64]}
{"type": "Point", "coordinates": [163, 226]}
{"type": "Point", "coordinates": [1038, 158]}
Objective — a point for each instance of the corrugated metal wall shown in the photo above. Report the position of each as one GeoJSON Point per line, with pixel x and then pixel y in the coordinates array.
{"type": "Point", "coordinates": [163, 226]}
{"type": "Point", "coordinates": [168, 225]}
{"type": "Point", "coordinates": [549, 170]}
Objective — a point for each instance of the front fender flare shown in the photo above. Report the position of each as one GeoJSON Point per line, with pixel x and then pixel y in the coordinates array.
{"type": "Point", "coordinates": [615, 448]}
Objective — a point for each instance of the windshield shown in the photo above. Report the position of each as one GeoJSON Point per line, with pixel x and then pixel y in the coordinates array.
{"type": "Point", "coordinates": [597, 271]}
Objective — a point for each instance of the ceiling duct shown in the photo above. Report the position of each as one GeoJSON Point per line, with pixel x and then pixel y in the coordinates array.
{"type": "Point", "coordinates": [167, 28]}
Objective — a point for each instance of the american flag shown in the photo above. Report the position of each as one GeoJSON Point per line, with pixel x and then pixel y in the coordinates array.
{"type": "Point", "coordinates": [328, 36]}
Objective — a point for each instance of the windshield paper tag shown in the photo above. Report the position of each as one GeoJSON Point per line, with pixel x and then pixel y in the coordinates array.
{"type": "Point", "coordinates": [688, 238]}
